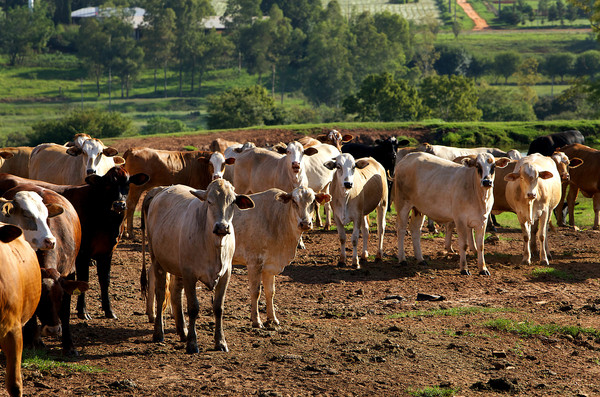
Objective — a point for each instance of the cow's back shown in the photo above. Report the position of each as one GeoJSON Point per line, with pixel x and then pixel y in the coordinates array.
{"type": "Point", "coordinates": [547, 144]}
{"type": "Point", "coordinates": [258, 170]}
{"type": "Point", "coordinates": [373, 185]}
{"type": "Point", "coordinates": [50, 162]}
{"type": "Point", "coordinates": [587, 176]}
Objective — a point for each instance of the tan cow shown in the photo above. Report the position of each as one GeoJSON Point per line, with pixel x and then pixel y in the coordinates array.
{"type": "Point", "coordinates": [358, 188]}
{"type": "Point", "coordinates": [257, 170]}
{"type": "Point", "coordinates": [191, 236]}
{"type": "Point", "coordinates": [446, 192]}
{"type": "Point", "coordinates": [166, 167]}
{"type": "Point", "coordinates": [70, 165]}
{"type": "Point", "coordinates": [20, 289]}
{"type": "Point", "coordinates": [533, 191]}
{"type": "Point", "coordinates": [585, 178]}
{"type": "Point", "coordinates": [319, 177]}
{"type": "Point", "coordinates": [16, 160]}
{"type": "Point", "coordinates": [450, 152]}
{"type": "Point", "coordinates": [220, 144]}
{"type": "Point", "coordinates": [333, 138]}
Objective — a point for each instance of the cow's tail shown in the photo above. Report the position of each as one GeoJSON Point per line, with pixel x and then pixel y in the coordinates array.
{"type": "Point", "coordinates": [145, 205]}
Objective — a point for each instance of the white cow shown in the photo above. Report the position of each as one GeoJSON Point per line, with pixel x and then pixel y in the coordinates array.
{"type": "Point", "coordinates": [191, 236]}
{"type": "Point", "coordinates": [358, 187]}
{"type": "Point", "coordinates": [320, 177]}
{"type": "Point", "coordinates": [450, 152]}
{"type": "Point", "coordinates": [445, 191]}
{"type": "Point", "coordinates": [533, 191]}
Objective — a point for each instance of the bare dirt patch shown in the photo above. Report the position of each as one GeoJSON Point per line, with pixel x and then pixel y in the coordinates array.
{"type": "Point", "coordinates": [340, 334]}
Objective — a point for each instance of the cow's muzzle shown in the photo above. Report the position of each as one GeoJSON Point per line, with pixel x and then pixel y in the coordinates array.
{"type": "Point", "coordinates": [531, 196]}
{"type": "Point", "coordinates": [487, 183]}
{"type": "Point", "coordinates": [348, 185]}
{"type": "Point", "coordinates": [216, 176]}
{"type": "Point", "coordinates": [221, 229]}
{"type": "Point", "coordinates": [295, 168]}
{"type": "Point", "coordinates": [305, 225]}
{"type": "Point", "coordinates": [90, 171]}
{"type": "Point", "coordinates": [119, 206]}
{"type": "Point", "coordinates": [51, 331]}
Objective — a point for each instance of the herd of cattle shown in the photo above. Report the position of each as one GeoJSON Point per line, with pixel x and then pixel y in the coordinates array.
{"type": "Point", "coordinates": [64, 207]}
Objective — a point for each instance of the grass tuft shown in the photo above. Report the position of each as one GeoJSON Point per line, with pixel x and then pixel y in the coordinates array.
{"type": "Point", "coordinates": [435, 391]}
{"type": "Point", "coordinates": [41, 361]}
{"type": "Point", "coordinates": [455, 311]}
{"type": "Point", "coordinates": [544, 272]}
{"type": "Point", "coordinates": [527, 328]}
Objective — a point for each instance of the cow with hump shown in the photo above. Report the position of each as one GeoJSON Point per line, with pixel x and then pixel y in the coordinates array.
{"type": "Point", "coordinates": [358, 188]}
{"type": "Point", "coordinates": [15, 160]}
{"type": "Point", "coordinates": [61, 237]}
{"type": "Point", "coordinates": [191, 236]}
{"type": "Point", "coordinates": [168, 167]}
{"type": "Point", "coordinates": [467, 199]}
{"type": "Point", "coordinates": [71, 163]}
{"type": "Point", "coordinates": [533, 191]}
{"type": "Point", "coordinates": [20, 289]}
{"type": "Point", "coordinates": [100, 204]}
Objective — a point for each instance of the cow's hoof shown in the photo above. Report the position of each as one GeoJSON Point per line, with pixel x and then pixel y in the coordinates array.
{"type": "Point", "coordinates": [423, 263]}
{"type": "Point", "coordinates": [151, 319]}
{"type": "Point", "coordinates": [465, 272]}
{"type": "Point", "coordinates": [220, 347]}
{"type": "Point", "coordinates": [484, 272]}
{"type": "Point", "coordinates": [84, 315]}
{"type": "Point", "coordinates": [158, 338]}
{"type": "Point", "coordinates": [341, 264]}
{"type": "Point", "coordinates": [70, 352]}
{"type": "Point", "coordinates": [193, 348]}
{"type": "Point", "coordinates": [544, 263]}
{"type": "Point", "coordinates": [258, 325]}
{"type": "Point", "coordinates": [110, 314]}
{"type": "Point", "coordinates": [271, 325]}
{"type": "Point", "coordinates": [403, 263]}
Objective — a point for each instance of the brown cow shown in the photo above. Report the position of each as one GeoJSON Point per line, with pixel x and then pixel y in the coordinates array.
{"type": "Point", "coordinates": [20, 289]}
{"type": "Point", "coordinates": [16, 160]}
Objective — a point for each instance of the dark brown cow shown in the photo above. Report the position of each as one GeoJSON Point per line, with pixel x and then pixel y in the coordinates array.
{"type": "Point", "coordinates": [54, 309]}
{"type": "Point", "coordinates": [100, 205]}
{"type": "Point", "coordinates": [164, 167]}
{"type": "Point", "coordinates": [20, 288]}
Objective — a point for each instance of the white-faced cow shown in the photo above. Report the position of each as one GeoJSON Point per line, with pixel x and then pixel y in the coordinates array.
{"type": "Point", "coordinates": [191, 236]}
{"type": "Point", "coordinates": [467, 199]}
{"type": "Point", "coordinates": [358, 188]}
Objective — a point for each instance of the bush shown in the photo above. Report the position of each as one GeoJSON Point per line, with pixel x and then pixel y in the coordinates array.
{"type": "Point", "coordinates": [241, 107]}
{"type": "Point", "coordinates": [96, 123]}
{"type": "Point", "coordinates": [502, 105]}
{"type": "Point", "coordinates": [162, 125]}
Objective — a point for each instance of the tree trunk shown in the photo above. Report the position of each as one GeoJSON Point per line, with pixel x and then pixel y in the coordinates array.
{"type": "Point", "coordinates": [193, 72]}
{"type": "Point", "coordinates": [98, 83]}
{"type": "Point", "coordinates": [165, 70]}
{"type": "Point", "coordinates": [109, 88]}
{"type": "Point", "coordinates": [273, 81]}
{"type": "Point", "coordinates": [127, 82]}
{"type": "Point", "coordinates": [282, 83]}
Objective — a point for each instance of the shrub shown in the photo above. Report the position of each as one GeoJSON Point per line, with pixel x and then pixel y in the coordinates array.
{"type": "Point", "coordinates": [97, 123]}
{"type": "Point", "coordinates": [162, 125]}
{"type": "Point", "coordinates": [241, 107]}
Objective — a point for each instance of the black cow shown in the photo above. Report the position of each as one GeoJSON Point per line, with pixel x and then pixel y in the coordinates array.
{"type": "Point", "coordinates": [100, 205]}
{"type": "Point", "coordinates": [548, 144]}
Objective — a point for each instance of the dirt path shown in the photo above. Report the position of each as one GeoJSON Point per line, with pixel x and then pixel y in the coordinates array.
{"type": "Point", "coordinates": [480, 23]}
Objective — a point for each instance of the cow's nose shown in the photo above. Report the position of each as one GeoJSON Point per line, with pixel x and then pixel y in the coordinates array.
{"type": "Point", "coordinates": [49, 243]}
{"type": "Point", "coordinates": [531, 196]}
{"type": "Point", "coordinates": [216, 176]}
{"type": "Point", "coordinates": [51, 331]}
{"type": "Point", "coordinates": [119, 206]}
{"type": "Point", "coordinates": [487, 183]}
{"type": "Point", "coordinates": [305, 225]}
{"type": "Point", "coordinates": [348, 185]}
{"type": "Point", "coordinates": [90, 171]}
{"type": "Point", "coordinates": [221, 229]}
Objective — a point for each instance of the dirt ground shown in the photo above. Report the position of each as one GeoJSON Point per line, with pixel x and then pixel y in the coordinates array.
{"type": "Point", "coordinates": [340, 333]}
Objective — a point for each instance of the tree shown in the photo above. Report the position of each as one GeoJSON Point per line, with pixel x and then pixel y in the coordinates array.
{"type": "Point", "coordinates": [506, 64]}
{"type": "Point", "coordinates": [499, 104]}
{"type": "Point", "coordinates": [527, 77]}
{"type": "Point", "coordinates": [382, 98]}
{"type": "Point", "coordinates": [240, 107]}
{"type": "Point", "coordinates": [451, 98]}
{"type": "Point", "coordinates": [91, 39]}
{"type": "Point", "coordinates": [587, 64]}
{"type": "Point", "coordinates": [24, 31]}
{"type": "Point", "coordinates": [238, 17]}
{"type": "Point", "coordinates": [559, 64]}
{"type": "Point", "coordinates": [303, 14]}
{"type": "Point", "coordinates": [452, 59]}
{"type": "Point", "coordinates": [479, 66]}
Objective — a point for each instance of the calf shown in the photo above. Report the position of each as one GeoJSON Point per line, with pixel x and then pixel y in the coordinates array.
{"type": "Point", "coordinates": [547, 144]}
{"type": "Point", "coordinates": [358, 187]}
{"type": "Point", "coordinates": [533, 191]}
{"type": "Point", "coordinates": [20, 289]}
{"type": "Point", "coordinates": [467, 199]}
{"type": "Point", "coordinates": [191, 236]}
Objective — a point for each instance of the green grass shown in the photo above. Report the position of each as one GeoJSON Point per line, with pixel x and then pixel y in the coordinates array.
{"type": "Point", "coordinates": [41, 361]}
{"type": "Point", "coordinates": [545, 272]}
{"type": "Point", "coordinates": [455, 311]}
{"type": "Point", "coordinates": [528, 328]}
{"type": "Point", "coordinates": [433, 391]}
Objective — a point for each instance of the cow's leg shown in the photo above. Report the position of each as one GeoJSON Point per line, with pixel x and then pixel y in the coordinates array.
{"type": "Point", "coordinates": [176, 286]}
{"type": "Point", "coordinates": [401, 223]}
{"type": "Point", "coordinates": [381, 211]}
{"type": "Point", "coordinates": [596, 202]}
{"type": "Point", "coordinates": [327, 208]}
{"type": "Point", "coordinates": [416, 223]}
{"type": "Point", "coordinates": [12, 346]}
{"type": "Point", "coordinates": [103, 263]}
{"type": "Point", "coordinates": [82, 265]}
{"type": "Point", "coordinates": [471, 241]}
{"type": "Point", "coordinates": [479, 238]}
{"type": "Point", "coordinates": [558, 211]}
{"type": "Point", "coordinates": [160, 281]}
{"type": "Point", "coordinates": [542, 232]}
{"type": "Point", "coordinates": [254, 277]}
{"type": "Point", "coordinates": [342, 235]}
{"type": "Point", "coordinates": [132, 199]}
{"type": "Point", "coordinates": [65, 315]}
{"type": "Point", "coordinates": [571, 197]}
{"type": "Point", "coordinates": [193, 308]}
{"type": "Point", "coordinates": [318, 222]}
{"type": "Point", "coordinates": [448, 237]}
{"type": "Point", "coordinates": [151, 295]}
{"type": "Point", "coordinates": [218, 306]}
{"type": "Point", "coordinates": [364, 229]}
{"type": "Point", "coordinates": [526, 230]}
{"type": "Point", "coordinates": [268, 280]}
{"type": "Point", "coordinates": [31, 333]}
{"type": "Point", "coordinates": [462, 231]}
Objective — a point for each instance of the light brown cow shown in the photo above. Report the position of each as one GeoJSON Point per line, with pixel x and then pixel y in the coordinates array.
{"type": "Point", "coordinates": [585, 178]}
{"type": "Point", "coordinates": [70, 165]}
{"type": "Point", "coordinates": [191, 236]}
{"type": "Point", "coordinates": [533, 191]}
{"type": "Point", "coordinates": [333, 138]}
{"type": "Point", "coordinates": [467, 199]}
{"type": "Point", "coordinates": [16, 160]}
{"type": "Point", "coordinates": [20, 289]}
{"type": "Point", "coordinates": [220, 144]}
{"type": "Point", "coordinates": [165, 167]}
{"type": "Point", "coordinates": [358, 188]}
{"type": "Point", "coordinates": [450, 152]}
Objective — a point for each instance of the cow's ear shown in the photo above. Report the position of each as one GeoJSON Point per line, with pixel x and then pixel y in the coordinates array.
{"type": "Point", "coordinates": [93, 179]}
{"type": "Point", "coordinates": [468, 162]}
{"type": "Point", "coordinates": [54, 210]}
{"type": "Point", "coordinates": [281, 149]}
{"type": "Point", "coordinates": [118, 160]}
{"type": "Point", "coordinates": [360, 164]}
{"type": "Point", "coordinates": [6, 155]}
{"type": "Point", "coordinates": [74, 151]}
{"type": "Point", "coordinates": [200, 194]}
{"type": "Point", "coordinates": [575, 162]}
{"type": "Point", "coordinates": [139, 179]}
{"type": "Point", "coordinates": [347, 138]}
{"type": "Point", "coordinates": [243, 202]}
{"type": "Point", "coordinates": [310, 151]}
{"type": "Point", "coordinates": [73, 287]}
{"type": "Point", "coordinates": [239, 149]}
{"type": "Point", "coordinates": [321, 138]}
{"type": "Point", "coordinates": [9, 232]}
{"type": "Point", "coordinates": [8, 208]}
{"type": "Point", "coordinates": [283, 197]}
{"type": "Point", "coordinates": [502, 162]}
{"type": "Point", "coordinates": [110, 151]}
{"type": "Point", "coordinates": [230, 160]}
{"type": "Point", "coordinates": [403, 142]}
{"type": "Point", "coordinates": [203, 160]}
{"type": "Point", "coordinates": [50, 273]}
{"type": "Point", "coordinates": [322, 198]}
{"type": "Point", "coordinates": [513, 176]}
{"type": "Point", "coordinates": [330, 165]}
{"type": "Point", "coordinates": [546, 174]}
